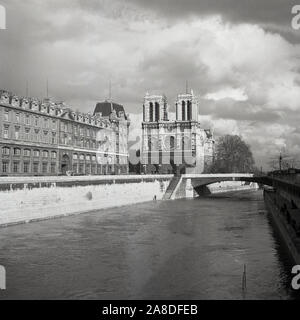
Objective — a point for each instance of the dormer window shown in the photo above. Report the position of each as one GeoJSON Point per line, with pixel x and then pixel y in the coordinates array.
{"type": "Point", "coordinates": [25, 104]}
{"type": "Point", "coordinates": [35, 106]}
{"type": "Point", "coordinates": [5, 98]}
{"type": "Point", "coordinates": [15, 102]}
{"type": "Point", "coordinates": [44, 108]}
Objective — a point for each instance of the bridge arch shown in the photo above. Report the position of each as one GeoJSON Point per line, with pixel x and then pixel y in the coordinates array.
{"type": "Point", "coordinates": [199, 182]}
{"type": "Point", "coordinates": [183, 186]}
{"type": "Point", "coordinates": [206, 179]}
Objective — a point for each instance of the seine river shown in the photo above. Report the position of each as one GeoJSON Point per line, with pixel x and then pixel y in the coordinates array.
{"type": "Point", "coordinates": [183, 249]}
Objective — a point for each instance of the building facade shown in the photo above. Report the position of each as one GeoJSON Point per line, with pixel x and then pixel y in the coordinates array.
{"type": "Point", "coordinates": [47, 138]}
{"type": "Point", "coordinates": [172, 146]}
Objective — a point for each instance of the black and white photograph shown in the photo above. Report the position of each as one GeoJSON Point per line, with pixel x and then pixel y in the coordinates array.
{"type": "Point", "coordinates": [149, 151]}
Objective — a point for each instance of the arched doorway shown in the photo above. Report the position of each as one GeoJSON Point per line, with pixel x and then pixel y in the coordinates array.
{"type": "Point", "coordinates": [65, 164]}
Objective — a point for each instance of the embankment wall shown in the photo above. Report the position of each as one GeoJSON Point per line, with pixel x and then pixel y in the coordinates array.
{"type": "Point", "coordinates": [32, 199]}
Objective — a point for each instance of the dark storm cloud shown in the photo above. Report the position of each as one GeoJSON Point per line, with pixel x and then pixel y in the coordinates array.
{"type": "Point", "coordinates": [237, 110]}
{"type": "Point", "coordinates": [266, 11]}
{"type": "Point", "coordinates": [272, 15]}
{"type": "Point", "coordinates": [248, 78]}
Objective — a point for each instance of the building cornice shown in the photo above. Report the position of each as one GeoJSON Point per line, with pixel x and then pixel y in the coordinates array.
{"type": "Point", "coordinates": [39, 113]}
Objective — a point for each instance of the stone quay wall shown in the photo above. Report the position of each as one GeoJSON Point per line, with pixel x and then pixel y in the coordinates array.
{"type": "Point", "coordinates": [30, 199]}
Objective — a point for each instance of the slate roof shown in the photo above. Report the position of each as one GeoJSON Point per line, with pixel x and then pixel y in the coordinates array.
{"type": "Point", "coordinates": [107, 107]}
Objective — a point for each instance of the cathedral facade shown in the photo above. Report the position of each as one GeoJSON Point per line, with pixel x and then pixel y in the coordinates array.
{"type": "Point", "coordinates": [47, 138]}
{"type": "Point", "coordinates": [175, 146]}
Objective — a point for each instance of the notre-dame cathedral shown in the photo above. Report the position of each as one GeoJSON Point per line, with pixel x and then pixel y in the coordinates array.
{"type": "Point", "coordinates": [180, 146]}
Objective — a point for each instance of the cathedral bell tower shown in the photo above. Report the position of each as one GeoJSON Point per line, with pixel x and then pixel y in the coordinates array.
{"type": "Point", "coordinates": [155, 108]}
{"type": "Point", "coordinates": [187, 107]}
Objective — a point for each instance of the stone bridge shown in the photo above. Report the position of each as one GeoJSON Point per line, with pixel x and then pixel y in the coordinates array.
{"type": "Point", "coordinates": [188, 185]}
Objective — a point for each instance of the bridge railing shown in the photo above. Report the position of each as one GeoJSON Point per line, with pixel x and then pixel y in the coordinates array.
{"type": "Point", "coordinates": [218, 175]}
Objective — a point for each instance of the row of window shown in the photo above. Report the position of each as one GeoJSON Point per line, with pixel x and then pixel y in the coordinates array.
{"type": "Point", "coordinates": [37, 135]}
{"type": "Point", "coordinates": [49, 137]}
{"type": "Point", "coordinates": [83, 143]}
{"type": "Point", "coordinates": [36, 167]}
{"type": "Point", "coordinates": [97, 169]}
{"type": "Point", "coordinates": [46, 123]}
{"type": "Point", "coordinates": [43, 136]}
{"type": "Point", "coordinates": [87, 169]}
{"type": "Point", "coordinates": [6, 151]}
{"type": "Point", "coordinates": [77, 130]}
{"type": "Point", "coordinates": [51, 168]}
{"type": "Point", "coordinates": [82, 157]}
{"type": "Point", "coordinates": [28, 119]}
{"type": "Point", "coordinates": [30, 135]}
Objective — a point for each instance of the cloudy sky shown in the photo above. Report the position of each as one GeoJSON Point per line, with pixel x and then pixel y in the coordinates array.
{"type": "Point", "coordinates": [241, 57]}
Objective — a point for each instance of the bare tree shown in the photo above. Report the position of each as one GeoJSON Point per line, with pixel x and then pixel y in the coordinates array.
{"type": "Point", "coordinates": [232, 155]}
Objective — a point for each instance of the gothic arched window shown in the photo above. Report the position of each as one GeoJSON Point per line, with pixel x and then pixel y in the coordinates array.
{"type": "Point", "coordinates": [151, 112]}
{"type": "Point", "coordinates": [189, 110]}
{"type": "Point", "coordinates": [183, 110]}
{"type": "Point", "coordinates": [157, 111]}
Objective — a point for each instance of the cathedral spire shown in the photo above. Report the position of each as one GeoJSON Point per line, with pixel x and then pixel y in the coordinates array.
{"type": "Point", "coordinates": [27, 89]}
{"type": "Point", "coordinates": [47, 88]}
{"type": "Point", "coordinates": [109, 90]}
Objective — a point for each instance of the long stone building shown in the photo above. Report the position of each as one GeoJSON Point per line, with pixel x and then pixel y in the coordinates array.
{"type": "Point", "coordinates": [174, 146]}
{"type": "Point", "coordinates": [47, 138]}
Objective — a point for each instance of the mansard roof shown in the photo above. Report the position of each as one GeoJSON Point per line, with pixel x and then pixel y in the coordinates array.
{"type": "Point", "coordinates": [107, 107]}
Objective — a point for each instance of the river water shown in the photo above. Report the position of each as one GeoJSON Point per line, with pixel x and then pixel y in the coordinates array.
{"type": "Point", "coordinates": [183, 249]}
